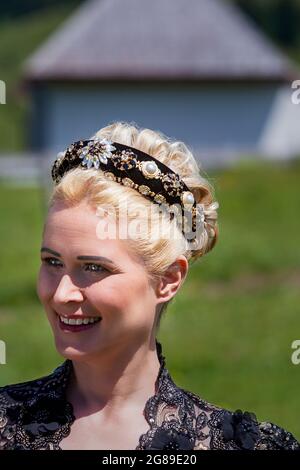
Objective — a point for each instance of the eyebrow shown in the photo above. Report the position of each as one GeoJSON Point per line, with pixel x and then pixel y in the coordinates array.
{"type": "Point", "coordinates": [82, 257]}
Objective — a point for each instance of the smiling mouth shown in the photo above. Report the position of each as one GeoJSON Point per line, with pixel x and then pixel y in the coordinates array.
{"type": "Point", "coordinates": [77, 324]}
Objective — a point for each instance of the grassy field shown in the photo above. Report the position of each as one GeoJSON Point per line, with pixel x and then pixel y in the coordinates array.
{"type": "Point", "coordinates": [228, 334]}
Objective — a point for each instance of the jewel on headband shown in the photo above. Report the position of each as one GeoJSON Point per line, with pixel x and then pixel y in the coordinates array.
{"type": "Point", "coordinates": [135, 169]}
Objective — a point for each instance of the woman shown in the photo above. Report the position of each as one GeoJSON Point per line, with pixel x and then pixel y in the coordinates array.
{"type": "Point", "coordinates": [129, 212]}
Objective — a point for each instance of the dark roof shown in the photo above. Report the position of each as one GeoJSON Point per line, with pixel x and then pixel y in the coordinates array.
{"type": "Point", "coordinates": [157, 39]}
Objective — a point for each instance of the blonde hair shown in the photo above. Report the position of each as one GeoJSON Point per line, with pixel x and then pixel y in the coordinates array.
{"type": "Point", "coordinates": [91, 186]}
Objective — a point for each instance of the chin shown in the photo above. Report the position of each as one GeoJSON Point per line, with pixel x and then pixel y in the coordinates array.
{"type": "Point", "coordinates": [74, 354]}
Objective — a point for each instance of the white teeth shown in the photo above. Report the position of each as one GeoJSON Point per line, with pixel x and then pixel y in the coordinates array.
{"type": "Point", "coordinates": [79, 321]}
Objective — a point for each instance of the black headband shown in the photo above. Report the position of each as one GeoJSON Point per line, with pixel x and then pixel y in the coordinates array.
{"type": "Point", "coordinates": [136, 169]}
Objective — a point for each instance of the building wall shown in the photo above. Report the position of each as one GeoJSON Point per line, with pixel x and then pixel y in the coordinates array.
{"type": "Point", "coordinates": [220, 117]}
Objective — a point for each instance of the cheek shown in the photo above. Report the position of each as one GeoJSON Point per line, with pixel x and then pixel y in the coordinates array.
{"type": "Point", "coordinates": [109, 297]}
{"type": "Point", "coordinates": [45, 286]}
{"type": "Point", "coordinates": [119, 293]}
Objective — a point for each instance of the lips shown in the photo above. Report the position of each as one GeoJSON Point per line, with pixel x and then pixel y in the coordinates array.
{"type": "Point", "coordinates": [76, 328]}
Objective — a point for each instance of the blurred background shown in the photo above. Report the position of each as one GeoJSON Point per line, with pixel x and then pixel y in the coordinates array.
{"type": "Point", "coordinates": [216, 74]}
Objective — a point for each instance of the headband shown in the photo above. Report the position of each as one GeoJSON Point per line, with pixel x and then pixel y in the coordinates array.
{"type": "Point", "coordinates": [138, 170]}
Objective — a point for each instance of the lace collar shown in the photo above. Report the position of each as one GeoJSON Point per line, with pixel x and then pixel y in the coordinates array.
{"type": "Point", "coordinates": [36, 415]}
{"type": "Point", "coordinates": [55, 389]}
{"type": "Point", "coordinates": [61, 375]}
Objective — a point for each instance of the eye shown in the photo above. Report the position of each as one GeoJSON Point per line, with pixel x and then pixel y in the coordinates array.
{"type": "Point", "coordinates": [97, 266]}
{"type": "Point", "coordinates": [49, 261]}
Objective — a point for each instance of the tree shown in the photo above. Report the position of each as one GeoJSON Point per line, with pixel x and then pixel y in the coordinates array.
{"type": "Point", "coordinates": [280, 19]}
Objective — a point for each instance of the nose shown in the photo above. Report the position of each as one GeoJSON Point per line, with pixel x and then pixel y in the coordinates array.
{"type": "Point", "coordinates": [67, 291]}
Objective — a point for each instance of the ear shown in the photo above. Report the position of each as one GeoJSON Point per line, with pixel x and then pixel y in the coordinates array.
{"type": "Point", "coordinates": [172, 279]}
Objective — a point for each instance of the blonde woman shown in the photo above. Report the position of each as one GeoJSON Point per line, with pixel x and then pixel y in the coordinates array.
{"type": "Point", "coordinates": [129, 212]}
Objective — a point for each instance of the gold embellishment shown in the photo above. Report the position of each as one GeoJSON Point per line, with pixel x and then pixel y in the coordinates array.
{"type": "Point", "coordinates": [124, 161]}
{"type": "Point", "coordinates": [60, 156]}
{"type": "Point", "coordinates": [145, 190]}
{"type": "Point", "coordinates": [128, 182]}
{"type": "Point", "coordinates": [110, 175]}
{"type": "Point", "coordinates": [160, 198]}
{"type": "Point", "coordinates": [73, 151]}
{"type": "Point", "coordinates": [96, 151]}
{"type": "Point", "coordinates": [172, 184]}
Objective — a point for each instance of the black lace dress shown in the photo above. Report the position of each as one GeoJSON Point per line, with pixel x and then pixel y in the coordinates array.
{"type": "Point", "coordinates": [37, 415]}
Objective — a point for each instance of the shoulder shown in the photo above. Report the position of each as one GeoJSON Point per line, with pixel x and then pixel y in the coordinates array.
{"type": "Point", "coordinates": [238, 429]}
{"type": "Point", "coordinates": [275, 437]}
{"type": "Point", "coordinates": [17, 393]}
{"type": "Point", "coordinates": [13, 399]}
{"type": "Point", "coordinates": [21, 402]}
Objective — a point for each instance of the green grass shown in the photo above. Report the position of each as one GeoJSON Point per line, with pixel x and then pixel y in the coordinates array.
{"type": "Point", "coordinates": [227, 336]}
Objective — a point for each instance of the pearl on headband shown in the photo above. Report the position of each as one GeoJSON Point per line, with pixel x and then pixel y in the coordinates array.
{"type": "Point", "coordinates": [135, 169]}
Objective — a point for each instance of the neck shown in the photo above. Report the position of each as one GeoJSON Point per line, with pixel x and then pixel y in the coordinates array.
{"type": "Point", "coordinates": [116, 380]}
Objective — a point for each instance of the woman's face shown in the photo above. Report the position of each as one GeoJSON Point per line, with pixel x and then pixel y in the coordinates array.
{"type": "Point", "coordinates": [73, 282]}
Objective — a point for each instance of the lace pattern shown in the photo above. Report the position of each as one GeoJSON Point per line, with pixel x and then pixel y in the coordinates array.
{"type": "Point", "coordinates": [37, 415]}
